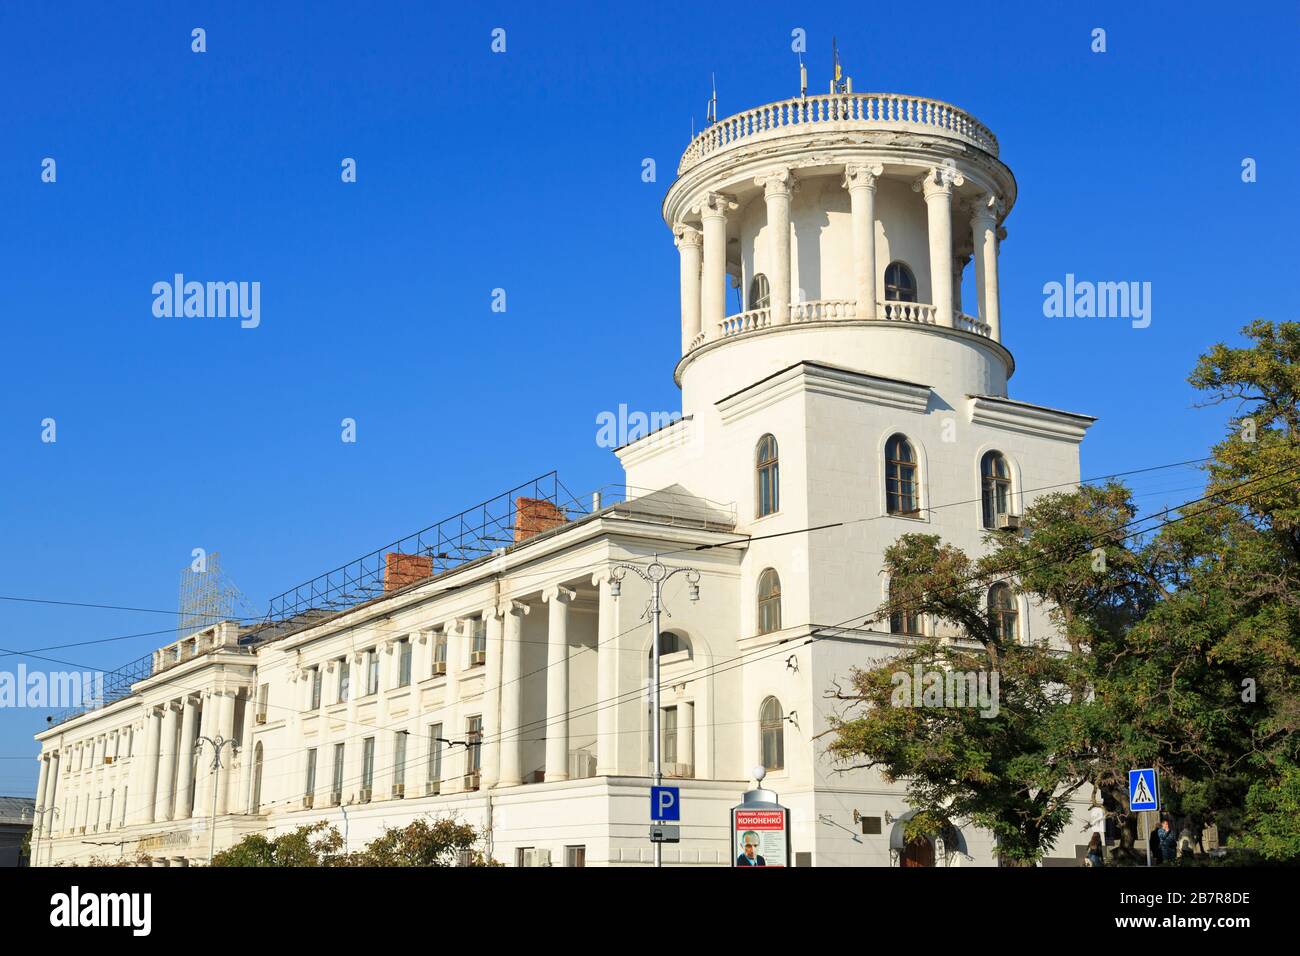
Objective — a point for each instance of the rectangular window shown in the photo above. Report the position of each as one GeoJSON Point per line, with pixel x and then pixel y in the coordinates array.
{"type": "Point", "coordinates": [316, 680]}
{"type": "Point", "coordinates": [372, 672]}
{"type": "Point", "coordinates": [479, 644]}
{"type": "Point", "coordinates": [474, 740]}
{"type": "Point", "coordinates": [338, 772]}
{"type": "Point", "coordinates": [440, 649]}
{"type": "Point", "coordinates": [668, 736]}
{"type": "Point", "coordinates": [404, 662]}
{"type": "Point", "coordinates": [433, 776]}
{"type": "Point", "coordinates": [399, 759]}
{"type": "Point", "coordinates": [367, 765]}
{"type": "Point", "coordinates": [311, 772]}
{"type": "Point", "coordinates": [345, 679]}
{"type": "Point", "coordinates": [263, 697]}
{"type": "Point", "coordinates": [575, 856]}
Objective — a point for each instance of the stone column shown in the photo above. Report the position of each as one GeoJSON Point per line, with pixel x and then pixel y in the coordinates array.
{"type": "Point", "coordinates": [490, 751]}
{"type": "Point", "coordinates": [512, 694]}
{"type": "Point", "coordinates": [776, 193]}
{"type": "Point", "coordinates": [185, 786]}
{"type": "Point", "coordinates": [40, 823]}
{"type": "Point", "coordinates": [606, 678]}
{"type": "Point", "coordinates": [688, 248]}
{"type": "Point", "coordinates": [984, 232]}
{"type": "Point", "coordinates": [936, 186]}
{"type": "Point", "coordinates": [167, 761]}
{"type": "Point", "coordinates": [147, 788]}
{"type": "Point", "coordinates": [558, 600]}
{"type": "Point", "coordinates": [713, 295]}
{"type": "Point", "coordinates": [226, 728]}
{"type": "Point", "coordinates": [860, 180]}
{"type": "Point", "coordinates": [686, 734]}
{"type": "Point", "coordinates": [246, 758]}
{"type": "Point", "coordinates": [203, 772]}
{"type": "Point", "coordinates": [52, 798]}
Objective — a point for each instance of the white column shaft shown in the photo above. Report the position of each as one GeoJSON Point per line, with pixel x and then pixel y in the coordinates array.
{"type": "Point", "coordinates": [490, 754]}
{"type": "Point", "coordinates": [185, 786]}
{"type": "Point", "coordinates": [557, 686]}
{"type": "Point", "coordinates": [512, 697]}
{"type": "Point", "coordinates": [688, 248]}
{"type": "Point", "coordinates": [606, 682]}
{"type": "Point", "coordinates": [167, 763]}
{"type": "Point", "coordinates": [226, 728]}
{"type": "Point", "coordinates": [713, 295]}
{"type": "Point", "coordinates": [776, 194]}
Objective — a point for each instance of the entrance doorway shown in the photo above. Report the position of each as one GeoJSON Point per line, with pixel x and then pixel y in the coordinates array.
{"type": "Point", "coordinates": [917, 852]}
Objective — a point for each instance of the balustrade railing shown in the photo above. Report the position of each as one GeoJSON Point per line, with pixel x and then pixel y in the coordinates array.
{"type": "Point", "coordinates": [886, 110]}
{"type": "Point", "coordinates": [830, 310]}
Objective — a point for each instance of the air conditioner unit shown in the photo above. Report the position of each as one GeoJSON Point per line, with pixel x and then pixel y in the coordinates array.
{"type": "Point", "coordinates": [1009, 522]}
{"type": "Point", "coordinates": [308, 801]}
{"type": "Point", "coordinates": [471, 781]}
{"type": "Point", "coordinates": [439, 668]}
{"type": "Point", "coordinates": [108, 760]}
{"type": "Point", "coordinates": [399, 791]}
{"type": "Point", "coordinates": [364, 796]}
{"type": "Point", "coordinates": [477, 657]}
{"type": "Point", "coordinates": [261, 718]}
{"type": "Point", "coordinates": [433, 788]}
{"type": "Point", "coordinates": [336, 797]}
{"type": "Point", "coordinates": [537, 857]}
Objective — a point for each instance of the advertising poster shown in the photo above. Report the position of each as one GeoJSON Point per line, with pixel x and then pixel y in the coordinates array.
{"type": "Point", "coordinates": [759, 837]}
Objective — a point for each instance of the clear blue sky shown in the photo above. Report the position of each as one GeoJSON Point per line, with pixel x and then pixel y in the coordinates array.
{"type": "Point", "coordinates": [522, 171]}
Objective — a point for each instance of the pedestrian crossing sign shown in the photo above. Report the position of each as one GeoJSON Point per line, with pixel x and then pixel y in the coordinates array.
{"type": "Point", "coordinates": [1142, 792]}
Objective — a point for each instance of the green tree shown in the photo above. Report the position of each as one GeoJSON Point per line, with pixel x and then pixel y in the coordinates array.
{"type": "Point", "coordinates": [312, 845]}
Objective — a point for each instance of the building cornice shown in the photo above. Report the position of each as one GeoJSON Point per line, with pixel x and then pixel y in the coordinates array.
{"type": "Point", "coordinates": [1036, 420]}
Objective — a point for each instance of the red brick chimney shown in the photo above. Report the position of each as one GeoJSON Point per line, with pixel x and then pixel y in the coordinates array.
{"type": "Point", "coordinates": [403, 569]}
{"type": "Point", "coordinates": [535, 515]}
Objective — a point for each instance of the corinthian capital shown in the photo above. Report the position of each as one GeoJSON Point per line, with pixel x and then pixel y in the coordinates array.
{"type": "Point", "coordinates": [859, 175]}
{"type": "Point", "coordinates": [779, 182]}
{"type": "Point", "coordinates": [987, 209]}
{"type": "Point", "coordinates": [938, 181]}
{"type": "Point", "coordinates": [684, 235]}
{"type": "Point", "coordinates": [715, 206]}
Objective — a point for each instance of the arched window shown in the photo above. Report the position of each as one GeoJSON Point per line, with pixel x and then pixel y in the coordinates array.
{"type": "Point", "coordinates": [904, 620]}
{"type": "Point", "coordinates": [769, 477]}
{"type": "Point", "coordinates": [670, 642]}
{"type": "Point", "coordinates": [760, 293]}
{"type": "Point", "coordinates": [769, 602]}
{"type": "Point", "coordinates": [1002, 611]}
{"type": "Point", "coordinates": [902, 492]}
{"type": "Point", "coordinates": [771, 724]}
{"type": "Point", "coordinates": [995, 485]}
{"type": "Point", "coordinates": [257, 779]}
{"type": "Point", "coordinates": [900, 284]}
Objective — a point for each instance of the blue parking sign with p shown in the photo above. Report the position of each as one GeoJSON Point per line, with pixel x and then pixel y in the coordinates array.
{"type": "Point", "coordinates": [665, 803]}
{"type": "Point", "coordinates": [1142, 793]}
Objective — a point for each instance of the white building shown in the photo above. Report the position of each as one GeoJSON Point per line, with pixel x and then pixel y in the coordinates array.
{"type": "Point", "coordinates": [853, 386]}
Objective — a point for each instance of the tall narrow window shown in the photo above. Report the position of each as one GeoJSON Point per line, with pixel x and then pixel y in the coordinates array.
{"type": "Point", "coordinates": [668, 736]}
{"type": "Point", "coordinates": [474, 741]}
{"type": "Point", "coordinates": [772, 734]}
{"type": "Point", "coordinates": [399, 763]}
{"type": "Point", "coordinates": [367, 768]}
{"type": "Point", "coordinates": [257, 778]}
{"type": "Point", "coordinates": [995, 482]}
{"type": "Point", "coordinates": [769, 602]}
{"type": "Point", "coordinates": [479, 644]}
{"type": "Point", "coordinates": [345, 679]}
{"type": "Point", "coordinates": [769, 477]}
{"type": "Point", "coordinates": [902, 492]}
{"type": "Point", "coordinates": [903, 620]}
{"type": "Point", "coordinates": [900, 284]}
{"type": "Point", "coordinates": [372, 672]}
{"type": "Point", "coordinates": [316, 678]}
{"type": "Point", "coordinates": [404, 662]}
{"type": "Point", "coordinates": [433, 775]}
{"type": "Point", "coordinates": [336, 791]}
{"type": "Point", "coordinates": [1002, 611]}
{"type": "Point", "coordinates": [310, 787]}
{"type": "Point", "coordinates": [760, 293]}
{"type": "Point", "coordinates": [440, 651]}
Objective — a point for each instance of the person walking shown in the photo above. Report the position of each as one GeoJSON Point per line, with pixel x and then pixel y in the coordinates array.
{"type": "Point", "coordinates": [1095, 855]}
{"type": "Point", "coordinates": [1168, 840]}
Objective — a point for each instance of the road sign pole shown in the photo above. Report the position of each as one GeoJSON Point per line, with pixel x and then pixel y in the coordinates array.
{"type": "Point", "coordinates": [654, 698]}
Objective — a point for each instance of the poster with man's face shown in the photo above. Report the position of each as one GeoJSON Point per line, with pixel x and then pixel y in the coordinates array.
{"type": "Point", "coordinates": [759, 837]}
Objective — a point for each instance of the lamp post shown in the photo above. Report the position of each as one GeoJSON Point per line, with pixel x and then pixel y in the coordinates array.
{"type": "Point", "coordinates": [216, 743]}
{"type": "Point", "coordinates": [655, 574]}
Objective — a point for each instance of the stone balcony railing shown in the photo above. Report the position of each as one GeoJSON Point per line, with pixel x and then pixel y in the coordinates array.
{"type": "Point", "coordinates": [829, 310]}
{"type": "Point", "coordinates": [890, 111]}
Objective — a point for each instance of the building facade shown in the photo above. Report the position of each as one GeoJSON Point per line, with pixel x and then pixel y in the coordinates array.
{"type": "Point", "coordinates": [503, 679]}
